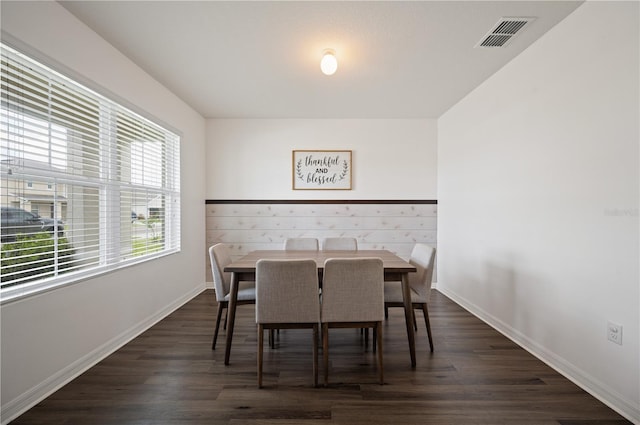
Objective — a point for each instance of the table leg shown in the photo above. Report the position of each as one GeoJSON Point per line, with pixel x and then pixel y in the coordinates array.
{"type": "Point", "coordinates": [231, 315]}
{"type": "Point", "coordinates": [408, 316]}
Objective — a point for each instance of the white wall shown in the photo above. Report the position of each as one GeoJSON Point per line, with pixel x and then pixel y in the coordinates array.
{"type": "Point", "coordinates": [47, 339]}
{"type": "Point", "coordinates": [538, 200]}
{"type": "Point", "coordinates": [251, 159]}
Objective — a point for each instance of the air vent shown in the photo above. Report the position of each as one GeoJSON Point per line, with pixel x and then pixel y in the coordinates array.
{"type": "Point", "coordinates": [503, 32]}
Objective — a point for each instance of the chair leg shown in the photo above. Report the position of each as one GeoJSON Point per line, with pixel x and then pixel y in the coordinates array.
{"type": "Point", "coordinates": [226, 317]}
{"type": "Point", "coordinates": [260, 347]}
{"type": "Point", "coordinates": [425, 313]}
{"type": "Point", "coordinates": [315, 355]}
{"type": "Point", "coordinates": [386, 312]}
{"type": "Point", "coordinates": [378, 334]}
{"type": "Point", "coordinates": [325, 352]}
{"type": "Point", "coordinates": [415, 324]}
{"type": "Point", "coordinates": [221, 306]}
{"type": "Point", "coordinates": [375, 340]}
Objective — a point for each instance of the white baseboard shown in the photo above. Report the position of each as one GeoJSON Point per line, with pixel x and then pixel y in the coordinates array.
{"type": "Point", "coordinates": [33, 396]}
{"type": "Point", "coordinates": [593, 386]}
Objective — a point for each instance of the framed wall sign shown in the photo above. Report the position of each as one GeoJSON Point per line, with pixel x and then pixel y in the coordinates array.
{"type": "Point", "coordinates": [317, 170]}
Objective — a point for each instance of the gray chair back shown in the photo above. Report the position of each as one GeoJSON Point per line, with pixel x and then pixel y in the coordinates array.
{"type": "Point", "coordinates": [340, 244]}
{"type": "Point", "coordinates": [287, 291]}
{"type": "Point", "coordinates": [220, 257]}
{"type": "Point", "coordinates": [423, 258]}
{"type": "Point", "coordinates": [301, 244]}
{"type": "Point", "coordinates": [352, 290]}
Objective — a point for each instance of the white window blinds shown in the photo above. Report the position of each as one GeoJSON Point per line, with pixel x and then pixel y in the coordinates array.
{"type": "Point", "coordinates": [87, 184]}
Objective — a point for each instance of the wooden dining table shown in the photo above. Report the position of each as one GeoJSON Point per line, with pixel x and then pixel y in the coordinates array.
{"type": "Point", "coordinates": [396, 269]}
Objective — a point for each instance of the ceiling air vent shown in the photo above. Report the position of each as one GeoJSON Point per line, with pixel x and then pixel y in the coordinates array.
{"type": "Point", "coordinates": [503, 32]}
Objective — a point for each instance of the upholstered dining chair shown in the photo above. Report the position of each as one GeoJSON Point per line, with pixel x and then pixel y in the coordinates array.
{"type": "Point", "coordinates": [422, 257]}
{"type": "Point", "coordinates": [352, 297]}
{"type": "Point", "coordinates": [340, 244]}
{"type": "Point", "coordinates": [287, 297]}
{"type": "Point", "coordinates": [220, 257]}
{"type": "Point", "coordinates": [301, 244]}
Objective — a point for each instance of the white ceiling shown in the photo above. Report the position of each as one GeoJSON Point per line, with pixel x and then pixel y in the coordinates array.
{"type": "Point", "coordinates": [260, 59]}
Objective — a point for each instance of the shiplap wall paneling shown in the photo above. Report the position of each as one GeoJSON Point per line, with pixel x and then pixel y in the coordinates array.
{"type": "Point", "coordinates": [247, 227]}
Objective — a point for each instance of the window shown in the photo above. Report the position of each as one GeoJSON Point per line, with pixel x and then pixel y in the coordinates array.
{"type": "Point", "coordinates": [89, 164]}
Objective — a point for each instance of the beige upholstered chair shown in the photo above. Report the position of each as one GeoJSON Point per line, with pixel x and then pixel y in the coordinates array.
{"type": "Point", "coordinates": [301, 244]}
{"type": "Point", "coordinates": [422, 257]}
{"type": "Point", "coordinates": [220, 257]}
{"type": "Point", "coordinates": [352, 297]}
{"type": "Point", "coordinates": [340, 244]}
{"type": "Point", "coordinates": [287, 297]}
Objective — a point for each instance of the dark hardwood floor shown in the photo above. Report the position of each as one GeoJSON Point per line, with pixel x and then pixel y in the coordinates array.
{"type": "Point", "coordinates": [169, 375]}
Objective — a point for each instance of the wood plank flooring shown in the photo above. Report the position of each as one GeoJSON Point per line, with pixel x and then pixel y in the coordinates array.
{"type": "Point", "coordinates": [170, 375]}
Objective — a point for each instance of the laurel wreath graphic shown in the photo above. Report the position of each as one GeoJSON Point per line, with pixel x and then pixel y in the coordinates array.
{"type": "Point", "coordinates": [345, 170]}
{"type": "Point", "coordinates": [299, 170]}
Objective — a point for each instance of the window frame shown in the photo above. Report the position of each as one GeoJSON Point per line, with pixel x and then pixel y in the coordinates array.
{"type": "Point", "coordinates": [117, 262]}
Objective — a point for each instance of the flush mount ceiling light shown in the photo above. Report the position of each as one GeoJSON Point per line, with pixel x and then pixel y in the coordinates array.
{"type": "Point", "coordinates": [329, 63]}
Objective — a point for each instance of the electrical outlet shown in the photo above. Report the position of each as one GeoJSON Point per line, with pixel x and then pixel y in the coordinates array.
{"type": "Point", "coordinates": [614, 333]}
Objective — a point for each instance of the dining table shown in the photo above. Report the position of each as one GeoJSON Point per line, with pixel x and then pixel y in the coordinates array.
{"type": "Point", "coordinates": [396, 269]}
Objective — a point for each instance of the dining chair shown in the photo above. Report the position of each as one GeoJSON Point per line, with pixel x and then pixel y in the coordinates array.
{"type": "Point", "coordinates": [344, 244]}
{"type": "Point", "coordinates": [286, 298]}
{"type": "Point", "coordinates": [352, 297]}
{"type": "Point", "coordinates": [423, 258]}
{"type": "Point", "coordinates": [340, 244]}
{"type": "Point", "coordinates": [220, 257]}
{"type": "Point", "coordinates": [301, 244]}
